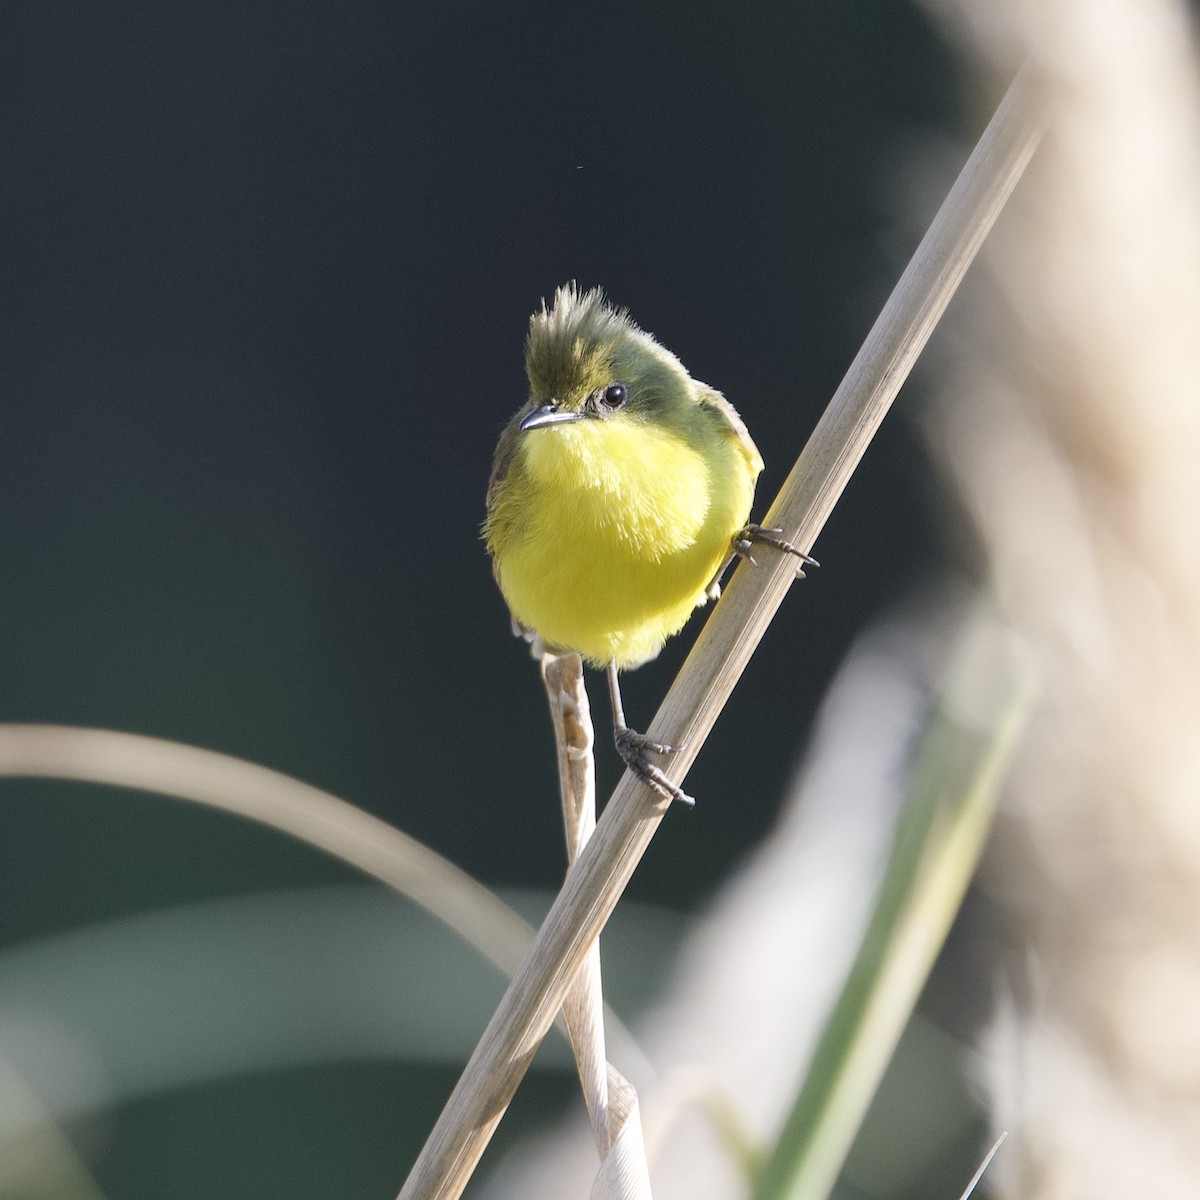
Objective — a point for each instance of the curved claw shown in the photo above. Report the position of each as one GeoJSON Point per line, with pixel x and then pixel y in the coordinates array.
{"type": "Point", "coordinates": [633, 748]}
{"type": "Point", "coordinates": [741, 547]}
{"type": "Point", "coordinates": [773, 536]}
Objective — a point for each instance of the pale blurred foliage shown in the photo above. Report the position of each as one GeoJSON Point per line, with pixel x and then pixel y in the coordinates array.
{"type": "Point", "coordinates": [1072, 424]}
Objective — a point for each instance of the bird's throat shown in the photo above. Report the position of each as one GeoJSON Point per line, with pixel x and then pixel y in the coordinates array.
{"type": "Point", "coordinates": [643, 484]}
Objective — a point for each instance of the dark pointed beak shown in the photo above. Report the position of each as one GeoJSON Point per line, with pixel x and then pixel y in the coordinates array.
{"type": "Point", "coordinates": [550, 414]}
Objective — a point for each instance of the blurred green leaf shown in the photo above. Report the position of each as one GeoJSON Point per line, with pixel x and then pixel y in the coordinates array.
{"type": "Point", "coordinates": [952, 790]}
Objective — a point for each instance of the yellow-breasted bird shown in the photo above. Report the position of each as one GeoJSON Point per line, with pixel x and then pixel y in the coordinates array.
{"type": "Point", "coordinates": [619, 494]}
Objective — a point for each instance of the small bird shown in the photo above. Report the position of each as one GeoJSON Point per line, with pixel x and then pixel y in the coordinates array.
{"type": "Point", "coordinates": [620, 492]}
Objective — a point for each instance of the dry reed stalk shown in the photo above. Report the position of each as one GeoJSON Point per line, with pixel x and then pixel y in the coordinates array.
{"type": "Point", "coordinates": [723, 648]}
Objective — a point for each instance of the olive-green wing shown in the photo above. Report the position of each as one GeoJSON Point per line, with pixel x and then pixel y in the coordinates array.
{"type": "Point", "coordinates": [506, 524]}
{"type": "Point", "coordinates": [712, 400]}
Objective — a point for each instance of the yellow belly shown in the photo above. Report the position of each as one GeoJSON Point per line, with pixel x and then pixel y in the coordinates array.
{"type": "Point", "coordinates": [616, 530]}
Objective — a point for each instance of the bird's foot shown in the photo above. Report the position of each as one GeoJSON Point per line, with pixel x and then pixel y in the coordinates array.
{"type": "Point", "coordinates": [634, 749]}
{"type": "Point", "coordinates": [746, 537]}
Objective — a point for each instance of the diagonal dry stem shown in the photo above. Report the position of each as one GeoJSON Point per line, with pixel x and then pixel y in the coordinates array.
{"type": "Point", "coordinates": [607, 862]}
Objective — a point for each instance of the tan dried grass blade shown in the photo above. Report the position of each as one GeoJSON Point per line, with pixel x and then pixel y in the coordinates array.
{"type": "Point", "coordinates": [623, 1174]}
{"type": "Point", "coordinates": [611, 1099]}
{"type": "Point", "coordinates": [583, 1008]}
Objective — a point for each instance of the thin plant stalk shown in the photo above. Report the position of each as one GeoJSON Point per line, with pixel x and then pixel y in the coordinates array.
{"type": "Point", "coordinates": [583, 1009]}
{"type": "Point", "coordinates": [611, 1100]}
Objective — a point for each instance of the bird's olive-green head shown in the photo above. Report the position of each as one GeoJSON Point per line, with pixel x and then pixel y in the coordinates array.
{"type": "Point", "coordinates": [590, 366]}
{"type": "Point", "coordinates": [586, 359]}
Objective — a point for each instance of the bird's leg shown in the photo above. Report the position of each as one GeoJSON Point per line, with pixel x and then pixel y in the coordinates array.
{"type": "Point", "coordinates": [713, 591]}
{"type": "Point", "coordinates": [745, 538]}
{"type": "Point", "coordinates": [633, 748]}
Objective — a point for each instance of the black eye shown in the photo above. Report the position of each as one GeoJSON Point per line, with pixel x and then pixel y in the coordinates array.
{"type": "Point", "coordinates": [614, 395]}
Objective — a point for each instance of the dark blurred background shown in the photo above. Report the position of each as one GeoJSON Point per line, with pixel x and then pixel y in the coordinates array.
{"type": "Point", "coordinates": [266, 274]}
